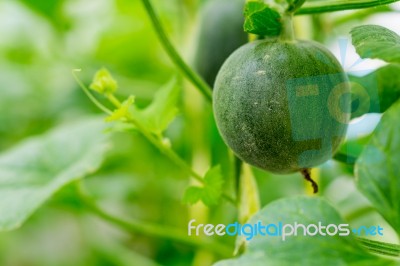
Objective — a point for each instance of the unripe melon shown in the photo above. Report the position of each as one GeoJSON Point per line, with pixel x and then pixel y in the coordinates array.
{"type": "Point", "coordinates": [282, 106]}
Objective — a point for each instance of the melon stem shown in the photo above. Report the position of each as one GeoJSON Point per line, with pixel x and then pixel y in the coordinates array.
{"type": "Point", "coordinates": [307, 176]}
{"type": "Point", "coordinates": [287, 32]}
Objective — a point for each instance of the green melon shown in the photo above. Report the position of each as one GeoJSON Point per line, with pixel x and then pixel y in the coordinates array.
{"type": "Point", "coordinates": [220, 34]}
{"type": "Point", "coordinates": [282, 106]}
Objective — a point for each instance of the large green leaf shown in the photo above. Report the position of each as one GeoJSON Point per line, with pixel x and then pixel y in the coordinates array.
{"type": "Point", "coordinates": [302, 250]}
{"type": "Point", "coordinates": [34, 170]}
{"type": "Point", "coordinates": [375, 92]}
{"type": "Point", "coordinates": [373, 41]}
{"type": "Point", "coordinates": [378, 166]}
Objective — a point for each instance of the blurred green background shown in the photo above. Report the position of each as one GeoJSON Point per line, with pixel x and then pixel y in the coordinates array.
{"type": "Point", "coordinates": [41, 41]}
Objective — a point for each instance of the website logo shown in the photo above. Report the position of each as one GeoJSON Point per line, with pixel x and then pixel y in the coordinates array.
{"type": "Point", "coordinates": [280, 229]}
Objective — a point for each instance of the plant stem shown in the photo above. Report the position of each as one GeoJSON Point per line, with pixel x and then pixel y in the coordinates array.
{"type": "Point", "coordinates": [172, 155]}
{"type": "Point", "coordinates": [287, 33]}
{"type": "Point", "coordinates": [148, 135]}
{"type": "Point", "coordinates": [334, 5]}
{"type": "Point", "coordinates": [167, 151]}
{"type": "Point", "coordinates": [157, 231]}
{"type": "Point", "coordinates": [380, 247]}
{"type": "Point", "coordinates": [111, 97]}
{"type": "Point", "coordinates": [89, 95]}
{"type": "Point", "coordinates": [237, 169]}
{"type": "Point", "coordinates": [307, 176]}
{"type": "Point", "coordinates": [295, 5]}
{"type": "Point", "coordinates": [195, 79]}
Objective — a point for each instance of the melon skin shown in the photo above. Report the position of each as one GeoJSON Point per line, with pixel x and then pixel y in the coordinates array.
{"type": "Point", "coordinates": [220, 34]}
{"type": "Point", "coordinates": [282, 106]}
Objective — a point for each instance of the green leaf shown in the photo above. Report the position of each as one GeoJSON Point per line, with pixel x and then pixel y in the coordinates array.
{"type": "Point", "coordinates": [375, 92]}
{"type": "Point", "coordinates": [302, 250]}
{"type": "Point", "coordinates": [373, 41]}
{"type": "Point", "coordinates": [210, 193]}
{"type": "Point", "coordinates": [262, 20]}
{"type": "Point", "coordinates": [193, 195]}
{"type": "Point", "coordinates": [377, 168]}
{"type": "Point", "coordinates": [103, 82]}
{"type": "Point", "coordinates": [34, 170]}
{"type": "Point", "coordinates": [161, 112]}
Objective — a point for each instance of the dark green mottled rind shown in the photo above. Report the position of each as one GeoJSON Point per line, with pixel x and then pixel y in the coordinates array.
{"type": "Point", "coordinates": [269, 116]}
{"type": "Point", "coordinates": [221, 33]}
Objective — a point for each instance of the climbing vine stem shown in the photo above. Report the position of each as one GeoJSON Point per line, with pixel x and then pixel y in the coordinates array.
{"type": "Point", "coordinates": [194, 78]}
{"type": "Point", "coordinates": [334, 5]}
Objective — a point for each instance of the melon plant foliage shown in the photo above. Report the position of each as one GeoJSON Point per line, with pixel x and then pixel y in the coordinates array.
{"type": "Point", "coordinates": [135, 145]}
